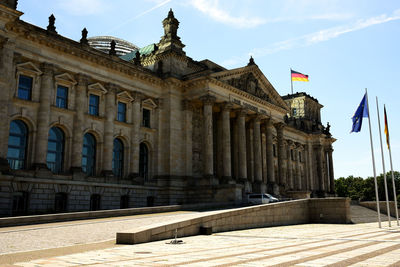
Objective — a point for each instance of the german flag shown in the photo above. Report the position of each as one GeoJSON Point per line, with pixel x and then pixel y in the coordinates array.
{"type": "Point", "coordinates": [297, 76]}
{"type": "Point", "coordinates": [386, 127]}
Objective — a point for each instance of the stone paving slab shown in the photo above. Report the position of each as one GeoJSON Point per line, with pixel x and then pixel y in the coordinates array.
{"type": "Point", "coordinates": [298, 245]}
{"type": "Point", "coordinates": [362, 244]}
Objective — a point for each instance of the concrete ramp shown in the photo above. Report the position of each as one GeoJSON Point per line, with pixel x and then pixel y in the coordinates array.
{"type": "Point", "coordinates": [361, 214]}
{"type": "Point", "coordinates": [325, 210]}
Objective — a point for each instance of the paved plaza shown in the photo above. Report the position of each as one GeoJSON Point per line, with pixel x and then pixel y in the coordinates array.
{"type": "Point", "coordinates": [360, 244]}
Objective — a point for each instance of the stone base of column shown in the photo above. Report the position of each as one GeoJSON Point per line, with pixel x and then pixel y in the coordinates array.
{"type": "Point", "coordinates": [259, 187]}
{"type": "Point", "coordinates": [107, 173]}
{"type": "Point", "coordinates": [4, 166]}
{"type": "Point", "coordinates": [76, 170]}
{"type": "Point", "coordinates": [39, 166]}
{"type": "Point", "coordinates": [227, 180]}
{"type": "Point", "coordinates": [208, 180]}
{"type": "Point", "coordinates": [319, 193]}
{"type": "Point", "coordinates": [276, 190]}
{"type": "Point", "coordinates": [247, 186]}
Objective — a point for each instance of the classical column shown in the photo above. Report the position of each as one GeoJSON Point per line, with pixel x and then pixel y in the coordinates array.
{"type": "Point", "coordinates": [306, 168]}
{"type": "Point", "coordinates": [241, 124]}
{"type": "Point", "coordinates": [311, 167]}
{"type": "Point", "coordinates": [257, 150]}
{"type": "Point", "coordinates": [235, 148]}
{"type": "Point", "coordinates": [226, 142]}
{"type": "Point", "coordinates": [331, 174]}
{"type": "Point", "coordinates": [320, 172]}
{"type": "Point", "coordinates": [281, 154]}
{"type": "Point", "coordinates": [47, 85]}
{"type": "Point", "coordinates": [187, 133]}
{"type": "Point", "coordinates": [289, 166]}
{"type": "Point", "coordinates": [264, 154]}
{"type": "Point", "coordinates": [135, 130]}
{"type": "Point", "coordinates": [109, 129]}
{"type": "Point", "coordinates": [250, 151]}
{"type": "Point", "coordinates": [270, 152]}
{"type": "Point", "coordinates": [208, 102]}
{"type": "Point", "coordinates": [298, 175]}
{"type": "Point", "coordinates": [80, 107]}
{"type": "Point", "coordinates": [6, 85]}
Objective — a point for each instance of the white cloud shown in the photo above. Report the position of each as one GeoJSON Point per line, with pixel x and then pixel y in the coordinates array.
{"type": "Point", "coordinates": [158, 5]}
{"type": "Point", "coordinates": [83, 7]}
{"type": "Point", "coordinates": [219, 13]}
{"type": "Point", "coordinates": [211, 8]}
{"type": "Point", "coordinates": [325, 35]}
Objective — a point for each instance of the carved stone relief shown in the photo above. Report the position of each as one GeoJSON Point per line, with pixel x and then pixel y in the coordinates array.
{"type": "Point", "coordinates": [248, 83]}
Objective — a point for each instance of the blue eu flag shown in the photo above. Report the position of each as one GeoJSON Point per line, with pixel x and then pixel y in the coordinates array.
{"type": "Point", "coordinates": [362, 111]}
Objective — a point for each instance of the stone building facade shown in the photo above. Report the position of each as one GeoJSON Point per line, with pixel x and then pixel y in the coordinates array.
{"type": "Point", "coordinates": [81, 129]}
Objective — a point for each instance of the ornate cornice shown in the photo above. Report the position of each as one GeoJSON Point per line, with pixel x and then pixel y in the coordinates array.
{"type": "Point", "coordinates": [83, 52]}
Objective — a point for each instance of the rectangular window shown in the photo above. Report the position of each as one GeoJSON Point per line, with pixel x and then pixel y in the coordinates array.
{"type": "Point", "coordinates": [146, 118]}
{"type": "Point", "coordinates": [294, 111]}
{"type": "Point", "coordinates": [274, 149]}
{"type": "Point", "coordinates": [299, 156]}
{"type": "Point", "coordinates": [291, 154]}
{"type": "Point", "coordinates": [25, 87]}
{"type": "Point", "coordinates": [62, 97]}
{"type": "Point", "coordinates": [121, 116]}
{"type": "Point", "coordinates": [94, 105]}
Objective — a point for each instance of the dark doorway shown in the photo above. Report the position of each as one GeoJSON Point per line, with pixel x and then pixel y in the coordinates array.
{"type": "Point", "coordinates": [95, 202]}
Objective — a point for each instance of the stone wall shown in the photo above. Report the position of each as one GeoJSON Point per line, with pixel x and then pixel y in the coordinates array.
{"type": "Point", "coordinates": [330, 210]}
{"type": "Point", "coordinates": [382, 205]}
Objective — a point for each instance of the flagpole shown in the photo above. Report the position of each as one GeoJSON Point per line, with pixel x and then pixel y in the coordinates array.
{"type": "Point", "coordinates": [383, 165]}
{"type": "Point", "coordinates": [291, 80]}
{"type": "Point", "coordinates": [394, 188]}
{"type": "Point", "coordinates": [393, 183]}
{"type": "Point", "coordinates": [373, 164]}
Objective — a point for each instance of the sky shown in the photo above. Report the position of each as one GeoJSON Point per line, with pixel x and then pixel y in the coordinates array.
{"type": "Point", "coordinates": [345, 46]}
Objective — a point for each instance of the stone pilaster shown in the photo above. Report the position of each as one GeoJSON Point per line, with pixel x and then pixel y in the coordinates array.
{"type": "Point", "coordinates": [226, 142]}
{"type": "Point", "coordinates": [270, 152]}
{"type": "Point", "coordinates": [109, 129]}
{"type": "Point", "coordinates": [135, 130]}
{"type": "Point", "coordinates": [6, 83]}
{"type": "Point", "coordinates": [81, 107]}
{"type": "Point", "coordinates": [331, 174]}
{"type": "Point", "coordinates": [188, 147]}
{"type": "Point", "coordinates": [47, 86]}
{"type": "Point", "coordinates": [208, 102]}
{"type": "Point", "coordinates": [241, 124]}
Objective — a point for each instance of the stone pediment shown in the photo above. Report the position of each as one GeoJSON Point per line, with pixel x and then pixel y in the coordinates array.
{"type": "Point", "coordinates": [66, 78]}
{"type": "Point", "coordinates": [252, 81]}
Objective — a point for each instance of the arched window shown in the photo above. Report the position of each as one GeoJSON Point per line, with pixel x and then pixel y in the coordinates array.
{"type": "Point", "coordinates": [17, 143]}
{"type": "Point", "coordinates": [89, 154]}
{"type": "Point", "coordinates": [55, 150]}
{"type": "Point", "coordinates": [144, 161]}
{"type": "Point", "coordinates": [118, 157]}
